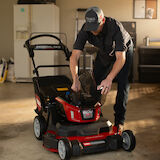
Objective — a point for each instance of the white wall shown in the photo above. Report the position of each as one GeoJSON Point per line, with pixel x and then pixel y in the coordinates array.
{"type": "Point", "coordinates": [121, 10]}
{"type": "Point", "coordinates": [6, 28]}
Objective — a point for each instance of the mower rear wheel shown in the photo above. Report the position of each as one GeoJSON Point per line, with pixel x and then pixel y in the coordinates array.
{"type": "Point", "coordinates": [39, 127]}
{"type": "Point", "coordinates": [64, 149]}
{"type": "Point", "coordinates": [129, 140]}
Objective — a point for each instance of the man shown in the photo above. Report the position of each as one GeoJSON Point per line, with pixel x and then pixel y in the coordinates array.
{"type": "Point", "coordinates": [113, 60]}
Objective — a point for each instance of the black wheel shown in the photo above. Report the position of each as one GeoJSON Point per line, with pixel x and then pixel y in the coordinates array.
{"type": "Point", "coordinates": [39, 127]}
{"type": "Point", "coordinates": [64, 149]}
{"type": "Point", "coordinates": [129, 140]}
{"type": "Point", "coordinates": [76, 148]}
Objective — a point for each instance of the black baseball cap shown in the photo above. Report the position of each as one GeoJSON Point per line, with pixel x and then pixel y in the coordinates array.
{"type": "Point", "coordinates": [93, 17]}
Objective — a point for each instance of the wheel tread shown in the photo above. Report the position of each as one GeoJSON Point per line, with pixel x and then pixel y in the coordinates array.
{"type": "Point", "coordinates": [132, 139]}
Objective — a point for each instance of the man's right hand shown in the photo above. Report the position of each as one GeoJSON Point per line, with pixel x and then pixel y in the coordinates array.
{"type": "Point", "coordinates": [76, 86]}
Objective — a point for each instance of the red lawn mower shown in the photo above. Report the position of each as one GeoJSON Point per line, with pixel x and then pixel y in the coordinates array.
{"type": "Point", "coordinates": [71, 123]}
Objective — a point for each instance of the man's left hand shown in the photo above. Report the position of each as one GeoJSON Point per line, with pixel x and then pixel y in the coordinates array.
{"type": "Point", "coordinates": [105, 86]}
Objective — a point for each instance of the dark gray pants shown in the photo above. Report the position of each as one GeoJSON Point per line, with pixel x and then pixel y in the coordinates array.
{"type": "Point", "coordinates": [100, 72]}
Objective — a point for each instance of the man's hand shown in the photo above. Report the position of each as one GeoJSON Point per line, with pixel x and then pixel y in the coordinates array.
{"type": "Point", "coordinates": [105, 86]}
{"type": "Point", "coordinates": [76, 86]}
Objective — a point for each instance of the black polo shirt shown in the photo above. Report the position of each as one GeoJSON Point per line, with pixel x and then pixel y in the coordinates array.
{"type": "Point", "coordinates": [113, 37]}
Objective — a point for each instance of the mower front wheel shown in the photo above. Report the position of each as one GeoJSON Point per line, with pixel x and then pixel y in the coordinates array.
{"type": "Point", "coordinates": [39, 127]}
{"type": "Point", "coordinates": [64, 149]}
{"type": "Point", "coordinates": [129, 140]}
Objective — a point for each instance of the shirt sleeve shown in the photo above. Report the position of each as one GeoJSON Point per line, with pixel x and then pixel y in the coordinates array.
{"type": "Point", "coordinates": [119, 37]}
{"type": "Point", "coordinates": [80, 40]}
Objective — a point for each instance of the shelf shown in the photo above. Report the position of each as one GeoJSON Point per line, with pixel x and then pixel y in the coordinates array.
{"type": "Point", "coordinates": [149, 64]}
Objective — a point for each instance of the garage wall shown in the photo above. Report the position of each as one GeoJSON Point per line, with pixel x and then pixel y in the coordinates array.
{"type": "Point", "coordinates": [6, 28]}
{"type": "Point", "coordinates": [121, 10]}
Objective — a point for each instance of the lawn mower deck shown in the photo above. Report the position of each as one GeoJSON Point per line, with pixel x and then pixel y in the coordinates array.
{"type": "Point", "coordinates": [89, 138]}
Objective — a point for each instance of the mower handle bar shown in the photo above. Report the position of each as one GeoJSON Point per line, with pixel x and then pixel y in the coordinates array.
{"type": "Point", "coordinates": [48, 66]}
{"type": "Point", "coordinates": [44, 35]}
{"type": "Point", "coordinates": [59, 46]}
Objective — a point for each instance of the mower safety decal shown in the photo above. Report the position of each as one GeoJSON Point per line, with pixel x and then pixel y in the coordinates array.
{"type": "Point", "coordinates": [38, 102]}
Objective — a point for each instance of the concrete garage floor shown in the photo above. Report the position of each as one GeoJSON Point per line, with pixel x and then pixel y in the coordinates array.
{"type": "Point", "coordinates": [17, 140]}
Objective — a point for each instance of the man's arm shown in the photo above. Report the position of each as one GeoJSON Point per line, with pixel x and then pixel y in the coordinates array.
{"type": "Point", "coordinates": [119, 63]}
{"type": "Point", "coordinates": [74, 69]}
